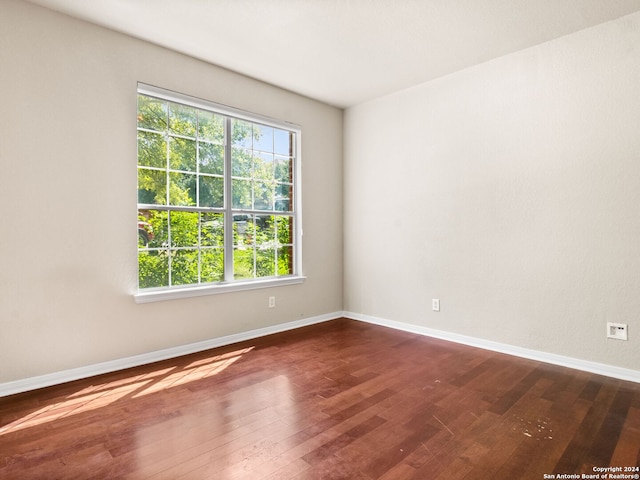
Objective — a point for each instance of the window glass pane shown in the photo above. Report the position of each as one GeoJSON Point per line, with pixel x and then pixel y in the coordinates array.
{"type": "Point", "coordinates": [155, 225]}
{"type": "Point", "coordinates": [152, 150]}
{"type": "Point", "coordinates": [152, 186]}
{"type": "Point", "coordinates": [182, 155]}
{"type": "Point", "coordinates": [153, 269]}
{"type": "Point", "coordinates": [263, 166]}
{"type": "Point", "coordinates": [211, 158]}
{"type": "Point", "coordinates": [285, 260]}
{"type": "Point", "coordinates": [210, 127]}
{"type": "Point", "coordinates": [283, 171]}
{"type": "Point", "coordinates": [262, 138]}
{"type": "Point", "coordinates": [283, 198]}
{"type": "Point", "coordinates": [265, 230]}
{"type": "Point", "coordinates": [243, 263]}
{"type": "Point", "coordinates": [211, 191]}
{"type": "Point", "coordinates": [284, 230]}
{"type": "Point", "coordinates": [212, 265]}
{"type": "Point", "coordinates": [182, 120]}
{"type": "Point", "coordinates": [241, 134]}
{"type": "Point", "coordinates": [241, 163]}
{"type": "Point", "coordinates": [283, 142]}
{"type": "Point", "coordinates": [152, 113]}
{"type": "Point", "coordinates": [212, 230]}
{"type": "Point", "coordinates": [243, 230]}
{"type": "Point", "coordinates": [241, 193]}
{"type": "Point", "coordinates": [145, 233]}
{"type": "Point", "coordinates": [263, 196]}
{"type": "Point", "coordinates": [183, 228]}
{"type": "Point", "coordinates": [265, 262]}
{"type": "Point", "coordinates": [184, 267]}
{"type": "Point", "coordinates": [182, 189]}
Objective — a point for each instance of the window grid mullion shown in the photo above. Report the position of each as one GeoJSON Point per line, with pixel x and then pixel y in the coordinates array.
{"type": "Point", "coordinates": [168, 199]}
{"type": "Point", "coordinates": [199, 237]}
{"type": "Point", "coordinates": [228, 215]}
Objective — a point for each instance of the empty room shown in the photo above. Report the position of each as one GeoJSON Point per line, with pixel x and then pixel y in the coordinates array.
{"type": "Point", "coordinates": [374, 239]}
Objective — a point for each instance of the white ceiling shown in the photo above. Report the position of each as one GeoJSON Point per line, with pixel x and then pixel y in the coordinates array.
{"type": "Point", "coordinates": [345, 52]}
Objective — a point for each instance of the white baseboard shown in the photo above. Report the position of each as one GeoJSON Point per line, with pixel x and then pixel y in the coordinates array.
{"type": "Point", "coordinates": [577, 364]}
{"type": "Point", "coordinates": [33, 383]}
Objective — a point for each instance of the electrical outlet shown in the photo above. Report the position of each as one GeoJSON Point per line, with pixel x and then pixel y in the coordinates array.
{"type": "Point", "coordinates": [617, 331]}
{"type": "Point", "coordinates": [272, 302]}
{"type": "Point", "coordinates": [435, 305]}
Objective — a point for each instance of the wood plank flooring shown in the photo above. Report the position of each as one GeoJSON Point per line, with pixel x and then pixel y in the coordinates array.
{"type": "Point", "coordinates": [338, 400]}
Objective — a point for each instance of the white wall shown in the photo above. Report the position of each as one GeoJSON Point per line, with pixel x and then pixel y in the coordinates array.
{"type": "Point", "coordinates": [68, 192]}
{"type": "Point", "coordinates": [511, 192]}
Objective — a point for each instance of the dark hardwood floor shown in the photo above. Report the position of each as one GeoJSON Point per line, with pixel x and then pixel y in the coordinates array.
{"type": "Point", "coordinates": [338, 400]}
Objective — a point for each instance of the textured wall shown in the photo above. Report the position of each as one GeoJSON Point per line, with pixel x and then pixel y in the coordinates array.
{"type": "Point", "coordinates": [68, 187]}
{"type": "Point", "coordinates": [511, 192]}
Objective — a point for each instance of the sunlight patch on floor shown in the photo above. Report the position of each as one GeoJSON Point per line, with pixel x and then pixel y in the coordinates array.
{"type": "Point", "coordinates": [102, 395]}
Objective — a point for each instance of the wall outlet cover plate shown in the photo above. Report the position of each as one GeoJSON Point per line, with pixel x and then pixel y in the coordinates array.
{"type": "Point", "coordinates": [617, 331]}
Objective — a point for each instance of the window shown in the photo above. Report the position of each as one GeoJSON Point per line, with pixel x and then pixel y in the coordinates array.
{"type": "Point", "coordinates": [218, 198]}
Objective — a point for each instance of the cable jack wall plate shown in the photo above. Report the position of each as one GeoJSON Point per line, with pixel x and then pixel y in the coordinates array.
{"type": "Point", "coordinates": [617, 331]}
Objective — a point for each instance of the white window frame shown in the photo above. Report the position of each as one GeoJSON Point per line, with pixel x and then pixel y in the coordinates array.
{"type": "Point", "coordinates": [184, 291]}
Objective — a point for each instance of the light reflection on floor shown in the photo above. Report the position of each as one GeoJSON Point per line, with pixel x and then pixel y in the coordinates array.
{"type": "Point", "coordinates": [261, 417]}
{"type": "Point", "coordinates": [102, 395]}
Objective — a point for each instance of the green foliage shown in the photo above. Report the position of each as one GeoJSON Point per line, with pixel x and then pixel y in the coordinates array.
{"type": "Point", "coordinates": [181, 163]}
{"type": "Point", "coordinates": [153, 261]}
{"type": "Point", "coordinates": [153, 269]}
{"type": "Point", "coordinates": [194, 253]}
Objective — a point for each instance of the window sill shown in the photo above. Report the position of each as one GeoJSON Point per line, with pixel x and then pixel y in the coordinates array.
{"type": "Point", "coordinates": [148, 296]}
